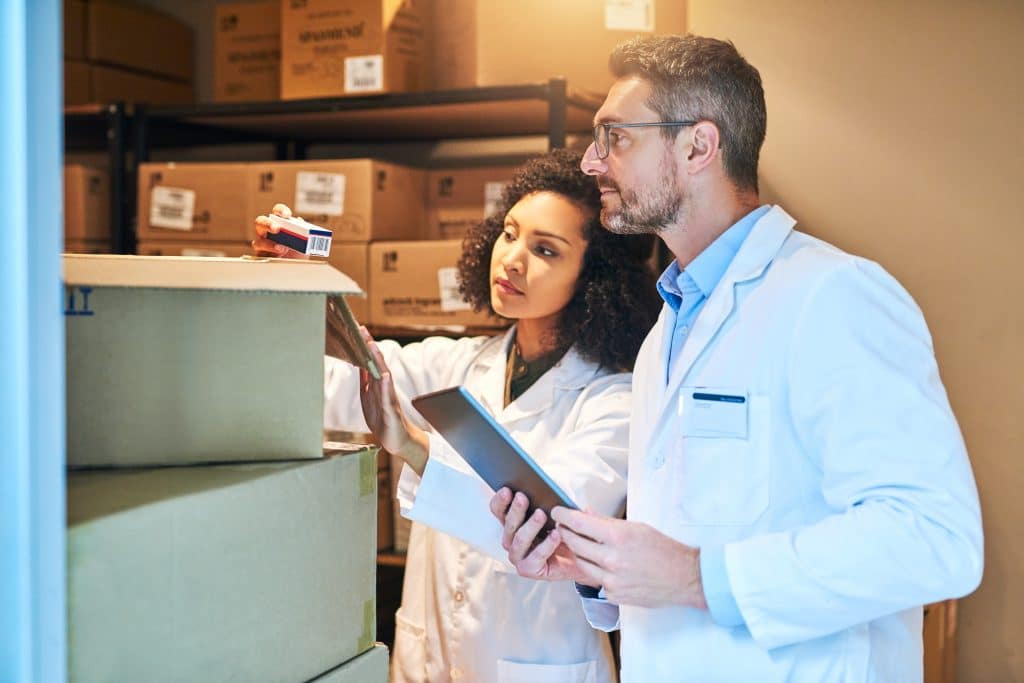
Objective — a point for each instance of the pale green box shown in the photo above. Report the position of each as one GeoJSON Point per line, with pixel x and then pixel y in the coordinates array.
{"type": "Point", "coordinates": [369, 667]}
{"type": "Point", "coordinates": [174, 360]}
{"type": "Point", "coordinates": [263, 572]}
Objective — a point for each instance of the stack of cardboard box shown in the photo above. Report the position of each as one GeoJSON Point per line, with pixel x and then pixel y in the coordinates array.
{"type": "Point", "coordinates": [120, 51]}
{"type": "Point", "coordinates": [209, 537]}
{"type": "Point", "coordinates": [335, 48]}
{"type": "Point", "coordinates": [376, 211]}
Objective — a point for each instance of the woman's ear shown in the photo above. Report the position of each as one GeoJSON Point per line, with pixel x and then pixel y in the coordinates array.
{"type": "Point", "coordinates": [704, 148]}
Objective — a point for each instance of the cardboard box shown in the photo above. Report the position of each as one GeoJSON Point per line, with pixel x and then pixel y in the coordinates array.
{"type": "Point", "coordinates": [331, 48]}
{"type": "Point", "coordinates": [357, 199]}
{"type": "Point", "coordinates": [112, 84]}
{"type": "Point", "coordinates": [458, 199]}
{"type": "Point", "coordinates": [195, 201]}
{"type": "Point", "coordinates": [353, 259]}
{"type": "Point", "coordinates": [86, 203]}
{"type": "Point", "coordinates": [184, 360]}
{"type": "Point", "coordinates": [242, 572]}
{"type": "Point", "coordinates": [77, 83]}
{"type": "Point", "coordinates": [501, 43]}
{"type": "Point", "coordinates": [247, 52]}
{"type": "Point", "coordinates": [412, 284]}
{"type": "Point", "coordinates": [74, 29]}
{"type": "Point", "coordinates": [197, 249]}
{"type": "Point", "coordinates": [135, 36]}
{"type": "Point", "coordinates": [87, 246]}
{"type": "Point", "coordinates": [369, 667]}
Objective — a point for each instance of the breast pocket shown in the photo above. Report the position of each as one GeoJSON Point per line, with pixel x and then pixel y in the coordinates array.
{"type": "Point", "coordinates": [723, 466]}
{"type": "Point", "coordinates": [515, 672]}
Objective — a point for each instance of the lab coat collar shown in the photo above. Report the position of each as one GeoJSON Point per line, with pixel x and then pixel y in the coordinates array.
{"type": "Point", "coordinates": [571, 373]}
{"type": "Point", "coordinates": [754, 256]}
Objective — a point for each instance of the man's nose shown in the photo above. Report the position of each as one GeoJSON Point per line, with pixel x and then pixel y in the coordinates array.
{"type": "Point", "coordinates": [590, 164]}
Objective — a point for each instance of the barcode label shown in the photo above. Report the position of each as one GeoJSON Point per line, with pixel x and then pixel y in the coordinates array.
{"type": "Point", "coordinates": [448, 283]}
{"type": "Point", "coordinates": [320, 193]}
{"type": "Point", "coordinates": [364, 74]}
{"type": "Point", "coordinates": [171, 207]}
{"type": "Point", "coordinates": [492, 196]}
{"type": "Point", "coordinates": [629, 15]}
{"type": "Point", "coordinates": [319, 243]}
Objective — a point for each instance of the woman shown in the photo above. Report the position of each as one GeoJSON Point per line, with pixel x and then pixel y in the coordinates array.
{"type": "Point", "coordinates": [583, 300]}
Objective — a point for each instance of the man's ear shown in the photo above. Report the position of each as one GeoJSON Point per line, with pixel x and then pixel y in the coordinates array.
{"type": "Point", "coordinates": [704, 146]}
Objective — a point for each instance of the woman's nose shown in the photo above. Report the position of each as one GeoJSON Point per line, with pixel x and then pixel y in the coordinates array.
{"type": "Point", "coordinates": [590, 164]}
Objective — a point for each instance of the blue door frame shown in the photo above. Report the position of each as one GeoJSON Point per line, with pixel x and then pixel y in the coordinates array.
{"type": "Point", "coordinates": [32, 557]}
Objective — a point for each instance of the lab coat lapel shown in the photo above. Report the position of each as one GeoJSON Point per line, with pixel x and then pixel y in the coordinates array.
{"type": "Point", "coordinates": [490, 372]}
{"type": "Point", "coordinates": [753, 258]}
{"type": "Point", "coordinates": [572, 372]}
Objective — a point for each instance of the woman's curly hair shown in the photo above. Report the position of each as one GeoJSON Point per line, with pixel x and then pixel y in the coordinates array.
{"type": "Point", "coordinates": [615, 303]}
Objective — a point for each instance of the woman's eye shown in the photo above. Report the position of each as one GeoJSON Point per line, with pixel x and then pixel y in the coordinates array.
{"type": "Point", "coordinates": [544, 251]}
{"type": "Point", "coordinates": [508, 235]}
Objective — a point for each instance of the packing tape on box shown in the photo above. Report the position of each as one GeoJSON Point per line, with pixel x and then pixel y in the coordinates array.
{"type": "Point", "coordinates": [367, 638]}
{"type": "Point", "coordinates": [368, 472]}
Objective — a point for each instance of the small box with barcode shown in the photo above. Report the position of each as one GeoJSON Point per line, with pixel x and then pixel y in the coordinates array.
{"type": "Point", "coordinates": [175, 360]}
{"type": "Point", "coordinates": [303, 237]}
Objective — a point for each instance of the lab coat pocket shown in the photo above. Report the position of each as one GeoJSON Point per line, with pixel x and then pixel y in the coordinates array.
{"type": "Point", "coordinates": [723, 475]}
{"type": "Point", "coordinates": [516, 672]}
{"type": "Point", "coordinates": [409, 660]}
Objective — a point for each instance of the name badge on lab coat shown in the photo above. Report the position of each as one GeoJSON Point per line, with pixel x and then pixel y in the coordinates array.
{"type": "Point", "coordinates": [713, 412]}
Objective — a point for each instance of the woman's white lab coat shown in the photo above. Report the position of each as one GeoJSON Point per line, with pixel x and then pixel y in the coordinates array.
{"type": "Point", "coordinates": [466, 614]}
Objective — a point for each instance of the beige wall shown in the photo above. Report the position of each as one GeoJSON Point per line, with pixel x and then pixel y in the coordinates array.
{"type": "Point", "coordinates": [895, 131]}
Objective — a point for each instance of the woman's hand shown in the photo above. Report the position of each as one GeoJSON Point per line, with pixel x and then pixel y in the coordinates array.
{"type": "Point", "coordinates": [384, 416]}
{"type": "Point", "coordinates": [265, 247]}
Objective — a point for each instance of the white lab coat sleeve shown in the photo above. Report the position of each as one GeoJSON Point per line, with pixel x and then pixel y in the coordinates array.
{"type": "Point", "coordinates": [417, 368]}
{"type": "Point", "coordinates": [865, 397]}
{"type": "Point", "coordinates": [450, 497]}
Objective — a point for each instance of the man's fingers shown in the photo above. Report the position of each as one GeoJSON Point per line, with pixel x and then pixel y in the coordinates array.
{"type": "Point", "coordinates": [514, 517]}
{"type": "Point", "coordinates": [584, 523]}
{"type": "Point", "coordinates": [534, 564]}
{"type": "Point", "coordinates": [585, 548]}
{"type": "Point", "coordinates": [499, 504]}
{"type": "Point", "coordinates": [282, 210]}
{"type": "Point", "coordinates": [527, 533]}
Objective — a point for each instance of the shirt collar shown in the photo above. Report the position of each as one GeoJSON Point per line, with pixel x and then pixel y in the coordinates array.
{"type": "Point", "coordinates": [707, 269]}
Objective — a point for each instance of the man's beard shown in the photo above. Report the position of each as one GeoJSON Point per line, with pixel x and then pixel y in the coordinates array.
{"type": "Point", "coordinates": [648, 210]}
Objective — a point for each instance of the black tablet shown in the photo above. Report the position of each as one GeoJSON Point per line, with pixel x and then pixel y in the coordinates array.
{"type": "Point", "coordinates": [489, 449]}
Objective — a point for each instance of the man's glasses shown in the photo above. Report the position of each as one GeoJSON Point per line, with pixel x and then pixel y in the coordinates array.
{"type": "Point", "coordinates": [601, 132]}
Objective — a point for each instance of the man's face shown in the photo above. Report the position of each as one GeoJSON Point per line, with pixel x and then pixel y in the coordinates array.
{"type": "Point", "coordinates": [639, 179]}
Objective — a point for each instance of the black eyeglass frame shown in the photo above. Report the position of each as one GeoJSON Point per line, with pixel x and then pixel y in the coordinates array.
{"type": "Point", "coordinates": [606, 127]}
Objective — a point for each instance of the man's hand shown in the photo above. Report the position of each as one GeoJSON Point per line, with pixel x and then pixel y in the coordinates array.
{"type": "Point", "coordinates": [264, 247]}
{"type": "Point", "coordinates": [634, 563]}
{"type": "Point", "coordinates": [550, 560]}
{"type": "Point", "coordinates": [384, 416]}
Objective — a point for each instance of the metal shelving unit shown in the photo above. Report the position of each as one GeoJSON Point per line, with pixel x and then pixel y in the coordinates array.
{"type": "Point", "coordinates": [496, 111]}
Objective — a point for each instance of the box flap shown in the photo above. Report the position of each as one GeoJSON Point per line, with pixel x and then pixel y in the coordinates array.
{"type": "Point", "coordinates": [184, 272]}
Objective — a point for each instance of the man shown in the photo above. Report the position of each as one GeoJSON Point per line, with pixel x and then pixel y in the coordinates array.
{"type": "Point", "coordinates": [798, 485]}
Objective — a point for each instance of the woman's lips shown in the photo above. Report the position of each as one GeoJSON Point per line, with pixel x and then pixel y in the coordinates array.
{"type": "Point", "coordinates": [506, 287]}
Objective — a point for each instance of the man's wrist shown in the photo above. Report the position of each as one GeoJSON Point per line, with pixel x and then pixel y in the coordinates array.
{"type": "Point", "coordinates": [416, 449]}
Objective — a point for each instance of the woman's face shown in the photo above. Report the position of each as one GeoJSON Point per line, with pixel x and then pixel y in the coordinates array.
{"type": "Point", "coordinates": [537, 259]}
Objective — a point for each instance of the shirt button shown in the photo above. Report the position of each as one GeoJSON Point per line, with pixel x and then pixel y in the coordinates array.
{"type": "Point", "coordinates": [459, 597]}
{"type": "Point", "coordinates": [456, 673]}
